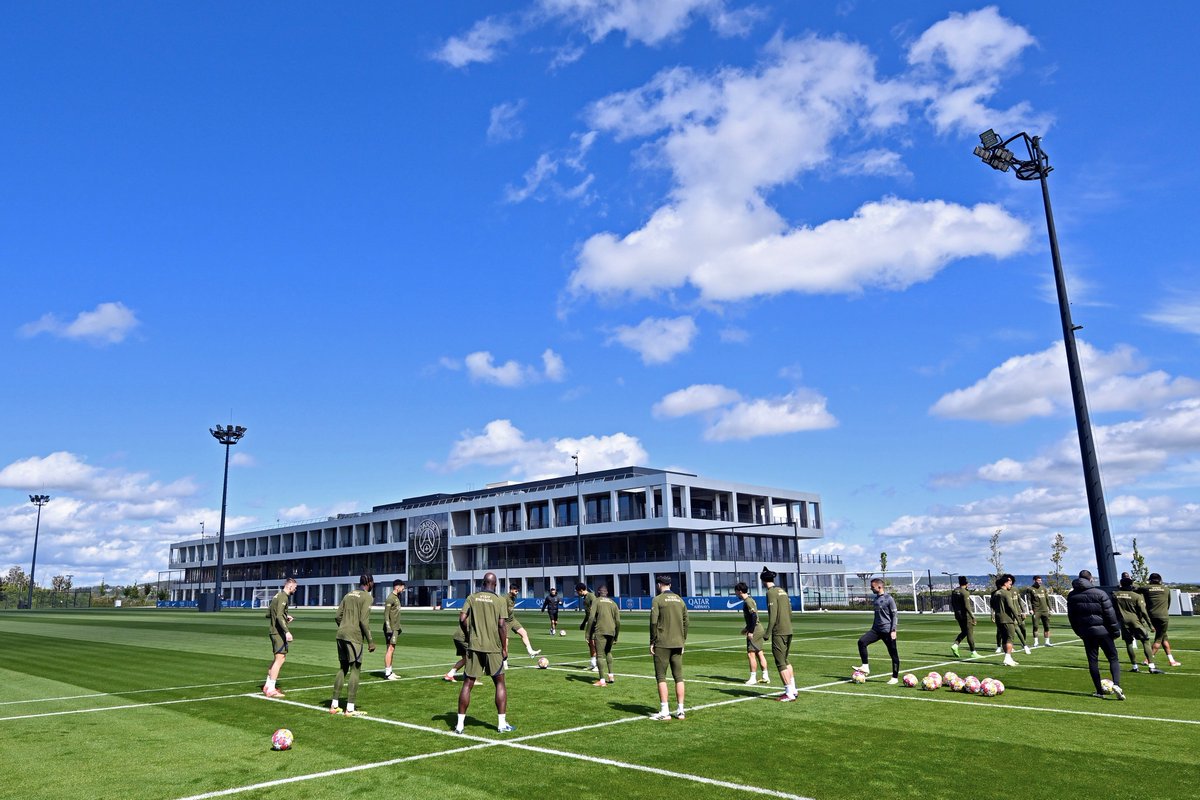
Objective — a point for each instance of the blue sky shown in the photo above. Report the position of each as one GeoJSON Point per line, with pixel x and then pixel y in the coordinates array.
{"type": "Point", "coordinates": [420, 248]}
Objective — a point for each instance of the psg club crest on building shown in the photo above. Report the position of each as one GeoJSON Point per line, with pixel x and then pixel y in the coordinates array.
{"type": "Point", "coordinates": [426, 540]}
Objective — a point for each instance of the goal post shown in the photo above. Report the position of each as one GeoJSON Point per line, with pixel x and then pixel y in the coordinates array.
{"type": "Point", "coordinates": [262, 598]}
{"type": "Point", "coordinates": [851, 591]}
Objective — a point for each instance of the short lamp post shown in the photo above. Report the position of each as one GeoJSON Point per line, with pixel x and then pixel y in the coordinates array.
{"type": "Point", "coordinates": [228, 436]}
{"type": "Point", "coordinates": [995, 153]}
{"type": "Point", "coordinates": [38, 500]}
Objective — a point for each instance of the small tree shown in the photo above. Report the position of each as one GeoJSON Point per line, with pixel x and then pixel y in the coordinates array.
{"type": "Point", "coordinates": [147, 589]}
{"type": "Point", "coordinates": [996, 558]}
{"type": "Point", "coordinates": [60, 583]}
{"type": "Point", "coordinates": [883, 561]}
{"type": "Point", "coordinates": [16, 579]}
{"type": "Point", "coordinates": [1138, 571]}
{"type": "Point", "coordinates": [1058, 581]}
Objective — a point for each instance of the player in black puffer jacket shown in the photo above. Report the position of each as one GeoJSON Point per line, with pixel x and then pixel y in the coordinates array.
{"type": "Point", "coordinates": [1094, 620]}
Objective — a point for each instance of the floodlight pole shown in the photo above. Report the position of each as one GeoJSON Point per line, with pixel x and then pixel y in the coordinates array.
{"type": "Point", "coordinates": [578, 519]}
{"type": "Point", "coordinates": [38, 500]}
{"type": "Point", "coordinates": [228, 436]}
{"type": "Point", "coordinates": [995, 154]}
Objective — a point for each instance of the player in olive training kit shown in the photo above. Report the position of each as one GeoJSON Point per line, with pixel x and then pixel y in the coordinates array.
{"type": "Point", "coordinates": [281, 635]}
{"type": "Point", "coordinates": [354, 625]}
{"type": "Point", "coordinates": [586, 598]}
{"type": "Point", "coordinates": [883, 629]}
{"type": "Point", "coordinates": [606, 627]}
{"type": "Point", "coordinates": [668, 636]}
{"type": "Point", "coordinates": [754, 633]}
{"type": "Point", "coordinates": [1038, 597]}
{"type": "Point", "coordinates": [779, 628]}
{"type": "Point", "coordinates": [484, 621]}
{"type": "Point", "coordinates": [1005, 616]}
{"type": "Point", "coordinates": [391, 627]}
{"type": "Point", "coordinates": [514, 625]}
{"type": "Point", "coordinates": [1158, 603]}
{"type": "Point", "coordinates": [1135, 622]}
{"type": "Point", "coordinates": [960, 604]}
{"type": "Point", "coordinates": [550, 606]}
{"type": "Point", "coordinates": [460, 649]}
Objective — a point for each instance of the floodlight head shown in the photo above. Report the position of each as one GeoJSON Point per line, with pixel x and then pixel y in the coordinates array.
{"type": "Point", "coordinates": [989, 138]}
{"type": "Point", "coordinates": [39, 499]}
{"type": "Point", "coordinates": [227, 434]}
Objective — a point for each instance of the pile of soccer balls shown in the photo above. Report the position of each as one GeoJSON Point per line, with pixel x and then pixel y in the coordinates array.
{"type": "Point", "coordinates": [281, 739]}
{"type": "Point", "coordinates": [988, 687]}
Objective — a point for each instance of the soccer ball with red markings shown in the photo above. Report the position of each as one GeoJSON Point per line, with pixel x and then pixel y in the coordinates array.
{"type": "Point", "coordinates": [929, 684]}
{"type": "Point", "coordinates": [543, 662]}
{"type": "Point", "coordinates": [859, 676]}
{"type": "Point", "coordinates": [999, 685]}
{"type": "Point", "coordinates": [956, 684]}
{"type": "Point", "coordinates": [987, 688]}
{"type": "Point", "coordinates": [910, 680]}
{"type": "Point", "coordinates": [936, 678]}
{"type": "Point", "coordinates": [281, 739]}
{"type": "Point", "coordinates": [972, 684]}
{"type": "Point", "coordinates": [949, 677]}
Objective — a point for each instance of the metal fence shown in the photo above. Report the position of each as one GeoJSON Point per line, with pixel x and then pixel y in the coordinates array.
{"type": "Point", "coordinates": [44, 598]}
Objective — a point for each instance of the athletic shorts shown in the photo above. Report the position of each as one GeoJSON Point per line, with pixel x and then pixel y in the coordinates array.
{"type": "Point", "coordinates": [1160, 628]}
{"type": "Point", "coordinates": [1007, 632]}
{"type": "Point", "coordinates": [553, 616]}
{"type": "Point", "coordinates": [391, 637]}
{"type": "Point", "coordinates": [516, 627]}
{"type": "Point", "coordinates": [460, 648]}
{"type": "Point", "coordinates": [1043, 620]}
{"type": "Point", "coordinates": [481, 664]}
{"type": "Point", "coordinates": [279, 644]}
{"type": "Point", "coordinates": [349, 652]}
{"type": "Point", "coordinates": [668, 657]}
{"type": "Point", "coordinates": [754, 644]}
{"type": "Point", "coordinates": [781, 648]}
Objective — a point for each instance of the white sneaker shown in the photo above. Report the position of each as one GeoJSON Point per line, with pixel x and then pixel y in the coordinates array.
{"type": "Point", "coordinates": [893, 681]}
{"type": "Point", "coordinates": [975, 654]}
{"type": "Point", "coordinates": [1049, 643]}
{"type": "Point", "coordinates": [1009, 662]}
{"type": "Point", "coordinates": [864, 668]}
{"type": "Point", "coordinates": [391, 676]}
{"type": "Point", "coordinates": [678, 713]}
{"type": "Point", "coordinates": [765, 678]}
{"type": "Point", "coordinates": [1174, 663]}
{"type": "Point", "coordinates": [1117, 691]}
{"type": "Point", "coordinates": [999, 649]}
{"type": "Point", "coordinates": [660, 716]}
{"type": "Point", "coordinates": [752, 681]}
{"type": "Point", "coordinates": [1028, 652]}
{"type": "Point", "coordinates": [534, 653]}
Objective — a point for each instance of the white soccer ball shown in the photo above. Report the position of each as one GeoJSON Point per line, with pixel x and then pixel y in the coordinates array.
{"type": "Point", "coordinates": [281, 739]}
{"type": "Point", "coordinates": [910, 680]}
{"type": "Point", "coordinates": [562, 633]}
{"type": "Point", "coordinates": [859, 676]}
{"type": "Point", "coordinates": [1106, 686]}
{"type": "Point", "coordinates": [543, 662]}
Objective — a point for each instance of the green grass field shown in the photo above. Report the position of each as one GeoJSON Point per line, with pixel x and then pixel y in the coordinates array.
{"type": "Point", "coordinates": [165, 704]}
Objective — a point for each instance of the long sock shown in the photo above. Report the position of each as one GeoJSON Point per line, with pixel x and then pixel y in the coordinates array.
{"type": "Point", "coordinates": [334, 704]}
{"type": "Point", "coordinates": [349, 706]}
{"type": "Point", "coordinates": [270, 684]}
{"type": "Point", "coordinates": [462, 720]}
{"type": "Point", "coordinates": [666, 708]}
{"type": "Point", "coordinates": [501, 720]}
{"type": "Point", "coordinates": [337, 685]}
{"type": "Point", "coordinates": [353, 690]}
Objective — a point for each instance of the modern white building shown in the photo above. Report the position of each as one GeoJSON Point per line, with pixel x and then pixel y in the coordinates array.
{"type": "Point", "coordinates": [624, 525]}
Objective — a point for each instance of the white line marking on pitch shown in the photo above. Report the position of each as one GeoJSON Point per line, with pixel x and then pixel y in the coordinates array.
{"type": "Point", "coordinates": [145, 691]}
{"type": "Point", "coordinates": [122, 708]}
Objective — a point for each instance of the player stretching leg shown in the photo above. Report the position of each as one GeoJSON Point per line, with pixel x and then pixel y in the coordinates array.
{"type": "Point", "coordinates": [514, 626]}
{"type": "Point", "coordinates": [882, 629]}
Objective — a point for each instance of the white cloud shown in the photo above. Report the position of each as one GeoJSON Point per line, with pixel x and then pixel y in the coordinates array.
{"type": "Point", "coordinates": [66, 472]}
{"type": "Point", "coordinates": [501, 444]}
{"type": "Point", "coordinates": [695, 399]}
{"type": "Point", "coordinates": [647, 23]}
{"type": "Point", "coordinates": [729, 138]}
{"type": "Point", "coordinates": [305, 512]}
{"type": "Point", "coordinates": [504, 124]}
{"type": "Point", "coordinates": [876, 161]}
{"type": "Point", "coordinates": [1181, 313]}
{"type": "Point", "coordinates": [481, 367]}
{"type": "Point", "coordinates": [241, 458]}
{"type": "Point", "coordinates": [734, 335]}
{"type": "Point", "coordinates": [539, 181]}
{"type": "Point", "coordinates": [1036, 385]}
{"type": "Point", "coordinates": [100, 523]}
{"type": "Point", "coordinates": [800, 410]}
{"type": "Point", "coordinates": [480, 44]}
{"type": "Point", "coordinates": [1127, 451]}
{"type": "Point", "coordinates": [657, 340]}
{"type": "Point", "coordinates": [974, 45]}
{"type": "Point", "coordinates": [108, 323]}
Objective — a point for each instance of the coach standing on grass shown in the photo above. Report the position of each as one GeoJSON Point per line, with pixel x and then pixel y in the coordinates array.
{"type": "Point", "coordinates": [1094, 620]}
{"type": "Point", "coordinates": [668, 635]}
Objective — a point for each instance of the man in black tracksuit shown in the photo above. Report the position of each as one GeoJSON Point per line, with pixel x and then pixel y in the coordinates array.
{"type": "Point", "coordinates": [1094, 620]}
